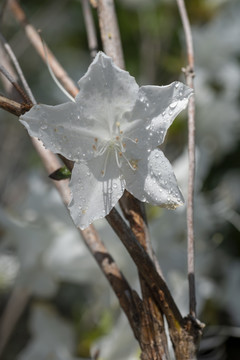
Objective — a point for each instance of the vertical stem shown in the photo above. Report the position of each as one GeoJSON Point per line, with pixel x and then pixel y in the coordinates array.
{"type": "Point", "coordinates": [189, 72]}
{"type": "Point", "coordinates": [110, 32]}
{"type": "Point", "coordinates": [91, 32]}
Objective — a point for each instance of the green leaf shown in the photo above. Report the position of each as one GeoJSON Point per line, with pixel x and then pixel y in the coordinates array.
{"type": "Point", "coordinates": [61, 174]}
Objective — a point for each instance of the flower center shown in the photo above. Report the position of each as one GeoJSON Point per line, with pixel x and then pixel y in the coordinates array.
{"type": "Point", "coordinates": [117, 144]}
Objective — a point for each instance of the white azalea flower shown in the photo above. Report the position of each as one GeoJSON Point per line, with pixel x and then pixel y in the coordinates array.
{"type": "Point", "coordinates": [111, 131]}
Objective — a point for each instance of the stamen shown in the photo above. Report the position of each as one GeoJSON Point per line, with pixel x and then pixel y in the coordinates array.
{"type": "Point", "coordinates": [105, 164]}
{"type": "Point", "coordinates": [134, 141]}
{"type": "Point", "coordinates": [131, 166]}
{"type": "Point", "coordinates": [119, 163]}
{"type": "Point", "coordinates": [103, 149]}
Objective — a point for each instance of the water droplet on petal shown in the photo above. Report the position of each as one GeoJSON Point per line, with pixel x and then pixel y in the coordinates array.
{"type": "Point", "coordinates": [173, 105]}
{"type": "Point", "coordinates": [176, 85]}
{"type": "Point", "coordinates": [156, 155]}
{"type": "Point", "coordinates": [44, 126]}
{"type": "Point", "coordinates": [115, 186]}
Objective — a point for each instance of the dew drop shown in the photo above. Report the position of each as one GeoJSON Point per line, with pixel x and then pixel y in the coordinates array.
{"type": "Point", "coordinates": [163, 113]}
{"type": "Point", "coordinates": [44, 126]}
{"type": "Point", "coordinates": [156, 155]}
{"type": "Point", "coordinates": [88, 173]}
{"type": "Point", "coordinates": [173, 105]}
{"type": "Point", "coordinates": [177, 85]}
{"type": "Point", "coordinates": [115, 186]}
{"type": "Point", "coordinates": [170, 112]}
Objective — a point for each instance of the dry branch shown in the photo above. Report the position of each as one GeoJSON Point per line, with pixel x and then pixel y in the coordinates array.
{"type": "Point", "coordinates": [189, 72]}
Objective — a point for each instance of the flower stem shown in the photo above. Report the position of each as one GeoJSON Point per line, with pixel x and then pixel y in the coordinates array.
{"type": "Point", "coordinates": [189, 72]}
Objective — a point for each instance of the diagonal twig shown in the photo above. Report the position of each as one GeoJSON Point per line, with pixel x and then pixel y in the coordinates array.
{"type": "Point", "coordinates": [18, 68]}
{"type": "Point", "coordinates": [36, 41]}
{"type": "Point", "coordinates": [15, 84]}
{"type": "Point", "coordinates": [189, 72]}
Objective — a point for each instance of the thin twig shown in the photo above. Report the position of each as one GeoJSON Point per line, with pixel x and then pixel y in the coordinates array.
{"type": "Point", "coordinates": [110, 32]}
{"type": "Point", "coordinates": [90, 28]}
{"type": "Point", "coordinates": [15, 84]}
{"type": "Point", "coordinates": [18, 68]}
{"type": "Point", "coordinates": [36, 41]}
{"type": "Point", "coordinates": [189, 72]}
{"type": "Point", "coordinates": [13, 107]}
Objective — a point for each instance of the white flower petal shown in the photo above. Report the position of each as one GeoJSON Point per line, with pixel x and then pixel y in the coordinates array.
{"type": "Point", "coordinates": [154, 181]}
{"type": "Point", "coordinates": [106, 91]}
{"type": "Point", "coordinates": [94, 195]}
{"type": "Point", "coordinates": [61, 130]}
{"type": "Point", "coordinates": [155, 110]}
